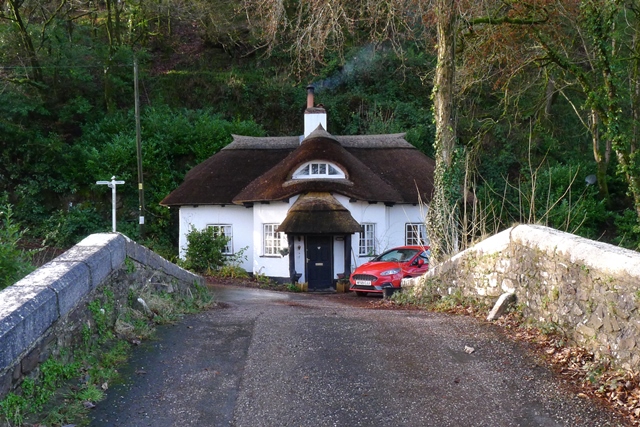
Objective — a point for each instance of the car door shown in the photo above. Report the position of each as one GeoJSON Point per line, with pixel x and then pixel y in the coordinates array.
{"type": "Point", "coordinates": [414, 268]}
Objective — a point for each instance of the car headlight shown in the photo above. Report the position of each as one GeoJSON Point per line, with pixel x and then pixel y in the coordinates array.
{"type": "Point", "coordinates": [390, 272]}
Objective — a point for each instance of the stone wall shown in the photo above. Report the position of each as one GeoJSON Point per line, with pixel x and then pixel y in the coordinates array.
{"type": "Point", "coordinates": [44, 312]}
{"type": "Point", "coordinates": [589, 289]}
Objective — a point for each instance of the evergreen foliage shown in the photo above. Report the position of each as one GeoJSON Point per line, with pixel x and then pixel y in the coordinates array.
{"type": "Point", "coordinates": [14, 263]}
{"type": "Point", "coordinates": [523, 123]}
{"type": "Point", "coordinates": [205, 250]}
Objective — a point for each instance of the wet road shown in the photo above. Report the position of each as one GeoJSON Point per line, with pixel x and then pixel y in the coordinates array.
{"type": "Point", "coordinates": [279, 359]}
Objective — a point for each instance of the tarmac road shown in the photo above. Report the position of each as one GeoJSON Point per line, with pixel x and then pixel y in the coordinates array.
{"type": "Point", "coordinates": [281, 359]}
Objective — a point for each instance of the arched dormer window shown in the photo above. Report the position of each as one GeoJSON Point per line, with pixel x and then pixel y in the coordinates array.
{"type": "Point", "coordinates": [318, 169]}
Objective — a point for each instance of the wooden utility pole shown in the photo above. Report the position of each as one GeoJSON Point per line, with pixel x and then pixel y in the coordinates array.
{"type": "Point", "coordinates": [139, 148]}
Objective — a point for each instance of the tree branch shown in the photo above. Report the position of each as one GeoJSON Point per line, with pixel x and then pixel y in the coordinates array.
{"type": "Point", "coordinates": [507, 20]}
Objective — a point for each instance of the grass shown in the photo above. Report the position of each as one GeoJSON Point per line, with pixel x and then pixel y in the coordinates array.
{"type": "Point", "coordinates": [63, 392]}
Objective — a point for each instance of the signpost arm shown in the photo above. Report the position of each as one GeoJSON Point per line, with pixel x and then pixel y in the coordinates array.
{"type": "Point", "coordinates": [112, 185]}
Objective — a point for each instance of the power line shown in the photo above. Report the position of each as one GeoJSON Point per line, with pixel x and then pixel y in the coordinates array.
{"type": "Point", "coordinates": [29, 67]}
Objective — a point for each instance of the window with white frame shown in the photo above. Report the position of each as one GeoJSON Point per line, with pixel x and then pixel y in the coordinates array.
{"type": "Point", "coordinates": [415, 234]}
{"type": "Point", "coordinates": [227, 231]}
{"type": "Point", "coordinates": [273, 240]}
{"type": "Point", "coordinates": [367, 245]}
{"type": "Point", "coordinates": [312, 170]}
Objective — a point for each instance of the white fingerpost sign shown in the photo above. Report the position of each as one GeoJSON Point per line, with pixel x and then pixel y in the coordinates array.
{"type": "Point", "coordinates": [112, 185]}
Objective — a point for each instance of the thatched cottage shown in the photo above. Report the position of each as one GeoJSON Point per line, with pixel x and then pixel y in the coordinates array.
{"type": "Point", "coordinates": [309, 208]}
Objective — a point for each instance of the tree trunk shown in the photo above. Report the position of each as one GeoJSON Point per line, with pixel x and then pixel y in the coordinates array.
{"type": "Point", "coordinates": [442, 218]}
{"type": "Point", "coordinates": [112, 28]}
{"type": "Point", "coordinates": [635, 96]}
{"type": "Point", "coordinates": [602, 160]}
{"type": "Point", "coordinates": [36, 73]}
{"type": "Point", "coordinates": [444, 81]}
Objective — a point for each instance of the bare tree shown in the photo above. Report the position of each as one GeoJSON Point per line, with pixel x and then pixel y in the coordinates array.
{"type": "Point", "coordinates": [311, 27]}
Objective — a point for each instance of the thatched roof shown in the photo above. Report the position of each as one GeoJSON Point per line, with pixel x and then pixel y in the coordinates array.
{"type": "Point", "coordinates": [318, 213]}
{"type": "Point", "coordinates": [378, 168]}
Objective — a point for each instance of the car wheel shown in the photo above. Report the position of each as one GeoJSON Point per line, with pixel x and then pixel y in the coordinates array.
{"type": "Point", "coordinates": [361, 294]}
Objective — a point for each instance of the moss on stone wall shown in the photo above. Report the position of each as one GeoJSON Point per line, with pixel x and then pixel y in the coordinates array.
{"type": "Point", "coordinates": [596, 307]}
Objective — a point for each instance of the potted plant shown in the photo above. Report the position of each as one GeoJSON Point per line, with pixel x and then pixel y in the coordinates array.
{"type": "Point", "coordinates": [342, 285]}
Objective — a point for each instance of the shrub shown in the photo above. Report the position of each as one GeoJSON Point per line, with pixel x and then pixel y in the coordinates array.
{"type": "Point", "coordinates": [205, 250]}
{"type": "Point", "coordinates": [66, 228]}
{"type": "Point", "coordinates": [13, 260]}
{"type": "Point", "coordinates": [628, 226]}
{"type": "Point", "coordinates": [232, 272]}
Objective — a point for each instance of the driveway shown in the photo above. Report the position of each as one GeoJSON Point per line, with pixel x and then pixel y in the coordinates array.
{"type": "Point", "coordinates": [281, 359]}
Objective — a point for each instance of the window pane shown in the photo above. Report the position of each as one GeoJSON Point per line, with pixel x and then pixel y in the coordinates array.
{"type": "Point", "coordinates": [367, 240]}
{"type": "Point", "coordinates": [318, 169]}
{"type": "Point", "coordinates": [272, 240]}
{"type": "Point", "coordinates": [415, 234]}
{"type": "Point", "coordinates": [226, 231]}
{"type": "Point", "coordinates": [268, 239]}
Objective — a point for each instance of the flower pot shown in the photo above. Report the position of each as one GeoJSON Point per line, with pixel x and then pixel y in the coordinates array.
{"type": "Point", "coordinates": [342, 286]}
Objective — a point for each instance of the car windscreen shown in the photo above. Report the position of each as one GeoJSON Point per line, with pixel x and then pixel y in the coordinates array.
{"type": "Point", "coordinates": [399, 255]}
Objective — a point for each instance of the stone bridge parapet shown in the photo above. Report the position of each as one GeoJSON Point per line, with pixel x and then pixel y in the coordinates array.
{"type": "Point", "coordinates": [44, 311]}
{"type": "Point", "coordinates": [588, 289]}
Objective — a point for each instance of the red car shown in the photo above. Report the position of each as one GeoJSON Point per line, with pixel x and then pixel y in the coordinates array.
{"type": "Point", "coordinates": [388, 270]}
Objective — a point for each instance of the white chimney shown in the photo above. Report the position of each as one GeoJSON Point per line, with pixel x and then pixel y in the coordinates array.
{"type": "Point", "coordinates": [313, 116]}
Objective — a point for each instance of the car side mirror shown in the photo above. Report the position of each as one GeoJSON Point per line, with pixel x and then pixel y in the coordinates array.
{"type": "Point", "coordinates": [419, 262]}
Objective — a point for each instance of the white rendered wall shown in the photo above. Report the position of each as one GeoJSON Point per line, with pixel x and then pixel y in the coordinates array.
{"type": "Point", "coordinates": [399, 216]}
{"type": "Point", "coordinates": [311, 122]}
{"type": "Point", "coordinates": [390, 225]}
{"type": "Point", "coordinates": [300, 255]}
{"type": "Point", "coordinates": [239, 217]}
{"type": "Point", "coordinates": [338, 256]}
{"type": "Point", "coordinates": [272, 213]}
{"type": "Point", "coordinates": [248, 232]}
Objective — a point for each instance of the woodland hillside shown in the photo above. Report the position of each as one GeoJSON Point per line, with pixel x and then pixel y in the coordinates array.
{"type": "Point", "coordinates": [531, 107]}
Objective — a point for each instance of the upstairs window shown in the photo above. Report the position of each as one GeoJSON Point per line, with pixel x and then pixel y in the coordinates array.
{"type": "Point", "coordinates": [313, 170]}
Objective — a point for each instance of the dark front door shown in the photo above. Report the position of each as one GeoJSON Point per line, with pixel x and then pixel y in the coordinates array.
{"type": "Point", "coordinates": [319, 259]}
